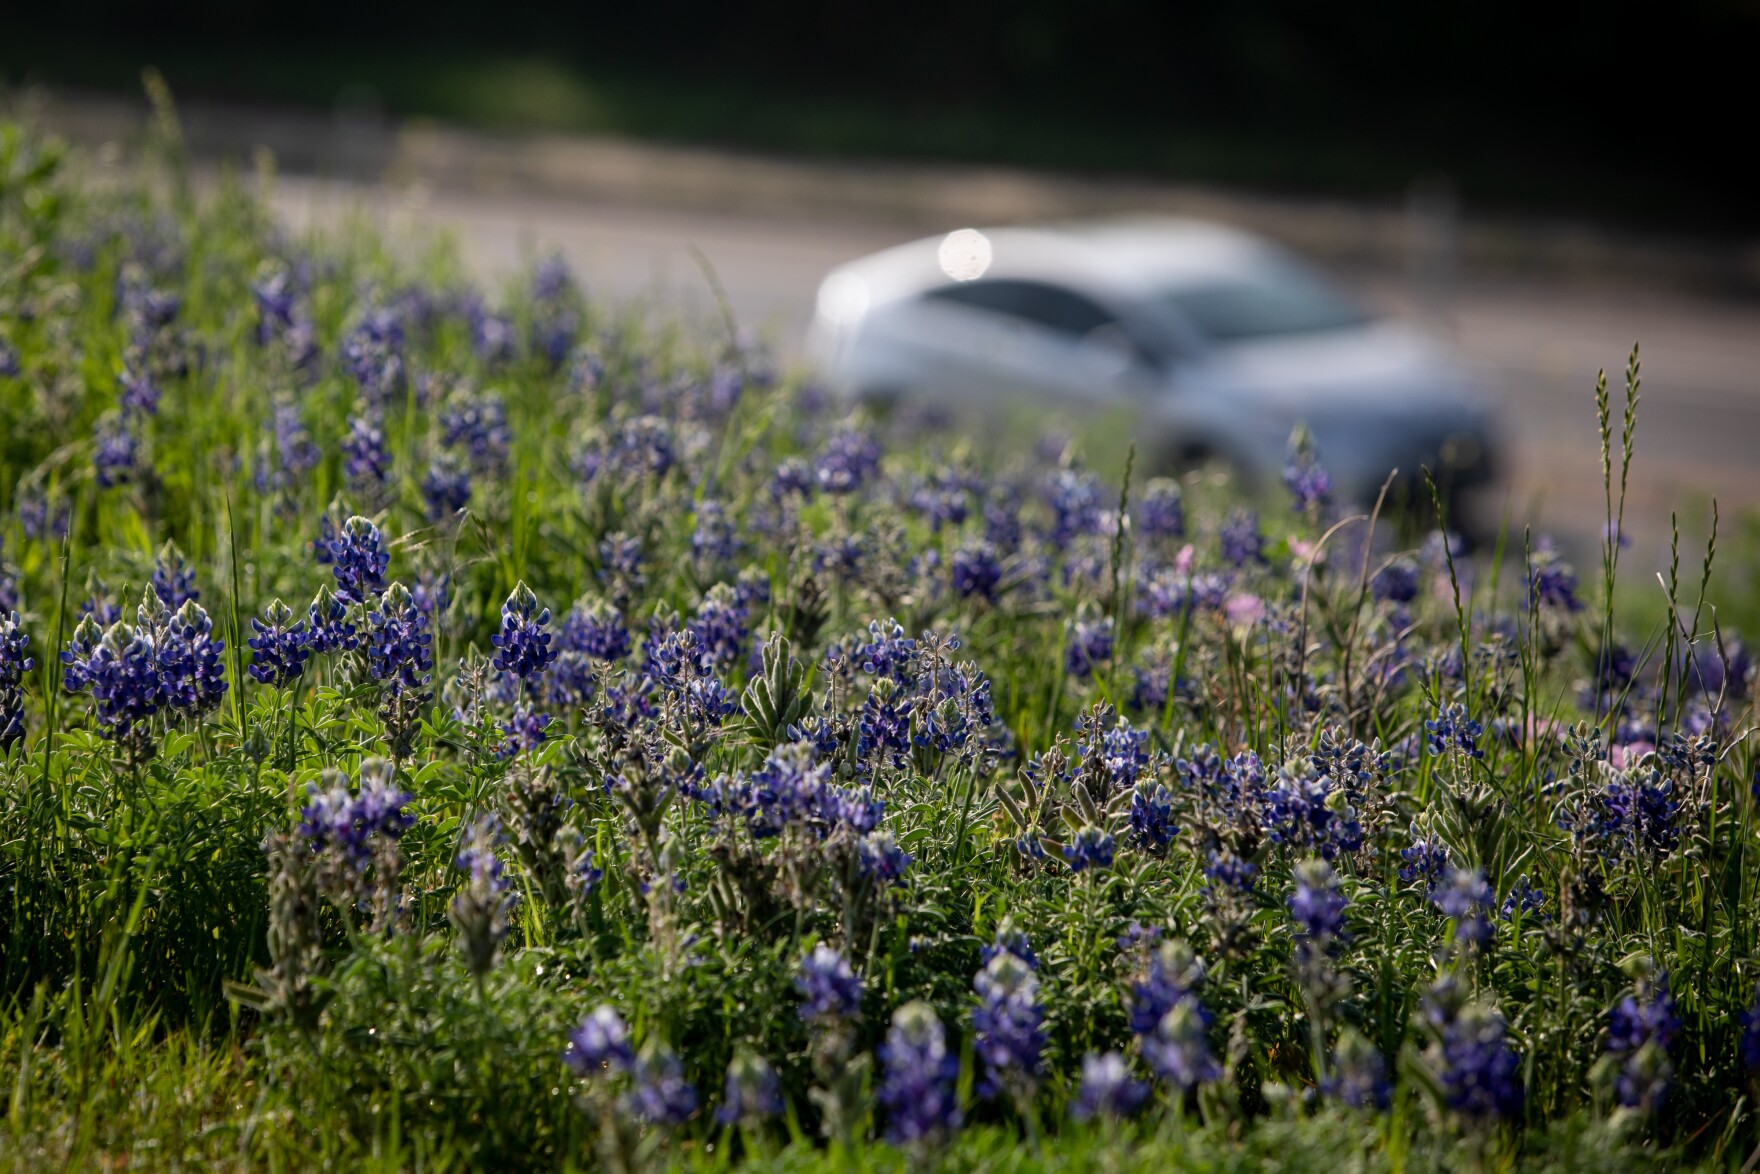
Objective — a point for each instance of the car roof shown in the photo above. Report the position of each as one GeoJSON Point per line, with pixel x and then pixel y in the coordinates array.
{"type": "Point", "coordinates": [1123, 258]}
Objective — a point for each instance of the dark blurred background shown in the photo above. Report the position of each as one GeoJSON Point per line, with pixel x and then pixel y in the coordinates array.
{"type": "Point", "coordinates": [1638, 115]}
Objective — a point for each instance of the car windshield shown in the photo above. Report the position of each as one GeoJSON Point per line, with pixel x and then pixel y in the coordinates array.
{"type": "Point", "coordinates": [1263, 302]}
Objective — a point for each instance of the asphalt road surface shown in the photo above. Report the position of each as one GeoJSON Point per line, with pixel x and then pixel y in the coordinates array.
{"type": "Point", "coordinates": [1537, 344]}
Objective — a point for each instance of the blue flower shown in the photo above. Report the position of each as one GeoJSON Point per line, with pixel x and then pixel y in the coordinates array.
{"type": "Point", "coordinates": [1173, 972]}
{"type": "Point", "coordinates": [365, 459]}
{"type": "Point", "coordinates": [721, 626]}
{"type": "Point", "coordinates": [753, 1093]}
{"type": "Point", "coordinates": [1318, 904]}
{"type": "Point", "coordinates": [715, 538]}
{"type": "Point", "coordinates": [917, 1077]}
{"type": "Point", "coordinates": [1481, 1076]}
{"type": "Point", "coordinates": [831, 992]}
{"type": "Point", "coordinates": [1108, 1089]}
{"type": "Point", "coordinates": [1161, 511]}
{"type": "Point", "coordinates": [14, 664]}
{"type": "Point", "coordinates": [1465, 900]}
{"type": "Point", "coordinates": [1359, 1073]}
{"type": "Point", "coordinates": [190, 670]}
{"type": "Point", "coordinates": [659, 1094]}
{"type": "Point", "coordinates": [358, 559]}
{"type": "Point", "coordinates": [398, 647]}
{"type": "Point", "coordinates": [1008, 1025]}
{"type": "Point", "coordinates": [1091, 848]}
{"type": "Point", "coordinates": [1552, 583]}
{"type": "Point", "coordinates": [139, 395]}
{"type": "Point", "coordinates": [1750, 1039]}
{"type": "Point", "coordinates": [599, 1044]}
{"type": "Point", "coordinates": [115, 457]}
{"type": "Point", "coordinates": [482, 903]}
{"type": "Point", "coordinates": [1241, 541]}
{"type": "Point", "coordinates": [280, 647]}
{"type": "Point", "coordinates": [1178, 1051]}
{"type": "Point", "coordinates": [1640, 1030]}
{"type": "Point", "coordinates": [1074, 498]}
{"type": "Point", "coordinates": [882, 860]}
{"type": "Point", "coordinates": [1397, 582]}
{"type": "Point", "coordinates": [446, 488]}
{"type": "Point", "coordinates": [1426, 861]}
{"type": "Point", "coordinates": [523, 641]}
{"type": "Point", "coordinates": [330, 629]}
{"type": "Point", "coordinates": [1090, 646]}
{"type": "Point", "coordinates": [1454, 730]}
{"type": "Point", "coordinates": [525, 731]}
{"type": "Point", "coordinates": [847, 461]}
{"type": "Point", "coordinates": [1151, 818]}
{"type": "Point", "coordinates": [976, 571]}
{"type": "Point", "coordinates": [1308, 482]}
{"type": "Point", "coordinates": [1524, 899]}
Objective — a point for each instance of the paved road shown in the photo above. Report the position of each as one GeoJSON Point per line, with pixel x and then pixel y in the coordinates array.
{"type": "Point", "coordinates": [1537, 344]}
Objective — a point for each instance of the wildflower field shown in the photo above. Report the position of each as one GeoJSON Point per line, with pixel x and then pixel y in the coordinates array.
{"type": "Point", "coordinates": [444, 728]}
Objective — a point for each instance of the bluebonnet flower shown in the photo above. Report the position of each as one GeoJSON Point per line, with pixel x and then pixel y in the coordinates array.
{"type": "Point", "coordinates": [599, 1044]}
{"type": "Point", "coordinates": [1178, 1052]}
{"type": "Point", "coordinates": [659, 1094]}
{"type": "Point", "coordinates": [81, 647]}
{"type": "Point", "coordinates": [847, 461]}
{"type": "Point", "coordinates": [621, 561]}
{"type": "Point", "coordinates": [1524, 899]}
{"type": "Point", "coordinates": [356, 836]}
{"type": "Point", "coordinates": [122, 673]}
{"type": "Point", "coordinates": [1074, 498]}
{"type": "Point", "coordinates": [191, 674]}
{"type": "Point", "coordinates": [1151, 818]}
{"type": "Point", "coordinates": [1480, 1076]}
{"type": "Point", "coordinates": [1009, 941]}
{"type": "Point", "coordinates": [1113, 753]}
{"type": "Point", "coordinates": [1170, 592]}
{"type": "Point", "coordinates": [715, 537]}
{"type": "Point", "coordinates": [446, 488]}
{"type": "Point", "coordinates": [9, 365]}
{"type": "Point", "coordinates": [789, 789]}
{"type": "Point", "coordinates": [478, 425]}
{"type": "Point", "coordinates": [917, 1077]}
{"type": "Point", "coordinates": [1230, 871]}
{"type": "Point", "coordinates": [1397, 582]}
{"type": "Point", "coordinates": [480, 907]}
{"type": "Point", "coordinates": [1091, 848]}
{"type": "Point", "coordinates": [358, 558]}
{"type": "Point", "coordinates": [1108, 1089]}
{"type": "Point", "coordinates": [882, 860]}
{"type": "Point", "coordinates": [1359, 1073]}
{"type": "Point", "coordinates": [372, 352]}
{"type": "Point", "coordinates": [1008, 1026]}
{"type": "Point", "coordinates": [794, 477]}
{"type": "Point", "coordinates": [1161, 510]}
{"type": "Point", "coordinates": [492, 335]}
{"type": "Point", "coordinates": [1465, 899]}
{"type": "Point", "coordinates": [330, 629]}
{"type": "Point", "coordinates": [280, 647]}
{"type": "Point", "coordinates": [1750, 1039]}
{"type": "Point", "coordinates": [1454, 730]}
{"type": "Point", "coordinates": [888, 652]}
{"type": "Point", "coordinates": [721, 625]}
{"type": "Point", "coordinates": [14, 664]}
{"type": "Point", "coordinates": [398, 651]}
{"type": "Point", "coordinates": [1241, 541]}
{"type": "Point", "coordinates": [524, 641]}
{"type": "Point", "coordinates": [1303, 811]}
{"type": "Point", "coordinates": [525, 731]}
{"type": "Point", "coordinates": [1426, 860]}
{"type": "Point", "coordinates": [139, 395]}
{"type": "Point", "coordinates": [1308, 482]}
{"type": "Point", "coordinates": [831, 992]}
{"type": "Point", "coordinates": [295, 449]}
{"type": "Point", "coordinates": [976, 571]}
{"type": "Point", "coordinates": [1552, 583]}
{"type": "Point", "coordinates": [597, 629]}
{"type": "Point", "coordinates": [1318, 904]}
{"type": "Point", "coordinates": [753, 1093]}
{"type": "Point", "coordinates": [1090, 646]}
{"type": "Point", "coordinates": [366, 462]}
{"type": "Point", "coordinates": [883, 731]}
{"type": "Point", "coordinates": [1640, 1030]}
{"type": "Point", "coordinates": [173, 578]}
{"type": "Point", "coordinates": [115, 457]}
{"type": "Point", "coordinates": [1173, 972]}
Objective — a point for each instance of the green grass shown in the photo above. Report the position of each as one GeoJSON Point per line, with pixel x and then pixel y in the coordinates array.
{"type": "Point", "coordinates": [173, 996]}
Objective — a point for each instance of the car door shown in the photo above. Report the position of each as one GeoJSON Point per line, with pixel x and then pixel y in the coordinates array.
{"type": "Point", "coordinates": [1002, 338]}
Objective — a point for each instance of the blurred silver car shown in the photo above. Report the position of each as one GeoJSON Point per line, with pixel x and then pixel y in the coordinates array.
{"type": "Point", "coordinates": [1220, 341]}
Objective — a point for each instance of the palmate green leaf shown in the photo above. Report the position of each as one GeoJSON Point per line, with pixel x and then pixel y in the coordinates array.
{"type": "Point", "coordinates": [777, 697]}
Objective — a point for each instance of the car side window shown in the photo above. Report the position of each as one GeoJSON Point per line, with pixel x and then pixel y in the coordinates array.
{"type": "Point", "coordinates": [1037, 302]}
